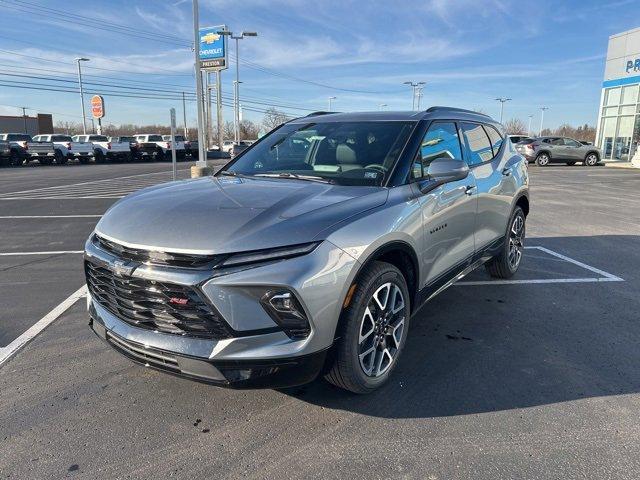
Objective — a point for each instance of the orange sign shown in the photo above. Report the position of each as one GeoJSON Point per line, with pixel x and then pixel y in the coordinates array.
{"type": "Point", "coordinates": [97, 106]}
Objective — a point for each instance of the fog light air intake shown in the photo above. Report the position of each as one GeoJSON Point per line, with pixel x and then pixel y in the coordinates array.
{"type": "Point", "coordinates": [285, 309]}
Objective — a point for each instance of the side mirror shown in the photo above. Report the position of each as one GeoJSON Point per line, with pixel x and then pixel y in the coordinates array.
{"type": "Point", "coordinates": [448, 170]}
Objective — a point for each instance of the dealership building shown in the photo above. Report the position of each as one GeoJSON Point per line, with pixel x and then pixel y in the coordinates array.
{"type": "Point", "coordinates": [618, 130]}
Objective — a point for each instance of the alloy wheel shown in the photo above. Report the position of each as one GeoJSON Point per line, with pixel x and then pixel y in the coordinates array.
{"type": "Point", "coordinates": [591, 160]}
{"type": "Point", "coordinates": [381, 329]}
{"type": "Point", "coordinates": [516, 241]}
{"type": "Point", "coordinates": [543, 160]}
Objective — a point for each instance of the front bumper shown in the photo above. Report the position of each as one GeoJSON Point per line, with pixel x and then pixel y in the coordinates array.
{"type": "Point", "coordinates": [259, 354]}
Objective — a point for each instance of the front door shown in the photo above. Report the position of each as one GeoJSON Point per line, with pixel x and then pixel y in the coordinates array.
{"type": "Point", "coordinates": [449, 211]}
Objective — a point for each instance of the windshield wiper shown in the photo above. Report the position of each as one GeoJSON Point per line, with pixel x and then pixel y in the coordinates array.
{"type": "Point", "coordinates": [309, 178]}
{"type": "Point", "coordinates": [233, 174]}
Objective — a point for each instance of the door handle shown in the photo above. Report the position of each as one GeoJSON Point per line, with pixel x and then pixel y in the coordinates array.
{"type": "Point", "coordinates": [507, 171]}
{"type": "Point", "coordinates": [470, 189]}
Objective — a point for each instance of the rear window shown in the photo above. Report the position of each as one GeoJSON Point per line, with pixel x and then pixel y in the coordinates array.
{"type": "Point", "coordinates": [495, 137]}
{"type": "Point", "coordinates": [155, 138]}
{"type": "Point", "coordinates": [18, 137]}
{"type": "Point", "coordinates": [526, 141]}
{"type": "Point", "coordinates": [61, 138]}
{"type": "Point", "coordinates": [126, 139]}
{"type": "Point", "coordinates": [98, 138]}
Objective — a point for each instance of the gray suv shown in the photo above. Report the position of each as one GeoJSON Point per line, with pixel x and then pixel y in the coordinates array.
{"type": "Point", "coordinates": [308, 253]}
{"type": "Point", "coordinates": [546, 150]}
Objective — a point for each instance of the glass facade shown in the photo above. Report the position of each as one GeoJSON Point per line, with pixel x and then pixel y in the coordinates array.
{"type": "Point", "coordinates": [619, 131]}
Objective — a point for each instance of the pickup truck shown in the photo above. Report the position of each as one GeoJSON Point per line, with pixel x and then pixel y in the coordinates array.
{"type": "Point", "coordinates": [24, 148]}
{"type": "Point", "coordinates": [66, 148]}
{"type": "Point", "coordinates": [182, 145]}
{"type": "Point", "coordinates": [153, 146]}
{"type": "Point", "coordinates": [133, 144]}
{"type": "Point", "coordinates": [105, 149]}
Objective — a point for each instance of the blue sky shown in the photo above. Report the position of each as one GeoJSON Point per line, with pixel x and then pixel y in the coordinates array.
{"type": "Point", "coordinates": [468, 52]}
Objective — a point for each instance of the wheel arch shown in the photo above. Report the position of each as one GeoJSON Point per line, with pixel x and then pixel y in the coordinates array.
{"type": "Point", "coordinates": [523, 202]}
{"type": "Point", "coordinates": [545, 151]}
{"type": "Point", "coordinates": [597, 154]}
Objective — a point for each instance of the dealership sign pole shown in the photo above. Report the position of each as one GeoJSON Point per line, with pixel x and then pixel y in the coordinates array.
{"type": "Point", "coordinates": [172, 112]}
{"type": "Point", "coordinates": [213, 58]}
{"type": "Point", "coordinates": [202, 158]}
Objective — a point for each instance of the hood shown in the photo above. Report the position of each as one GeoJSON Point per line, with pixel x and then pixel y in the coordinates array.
{"type": "Point", "coordinates": [227, 214]}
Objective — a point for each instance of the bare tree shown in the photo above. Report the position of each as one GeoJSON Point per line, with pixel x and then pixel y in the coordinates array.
{"type": "Point", "coordinates": [248, 130]}
{"type": "Point", "coordinates": [514, 126]}
{"type": "Point", "coordinates": [273, 118]}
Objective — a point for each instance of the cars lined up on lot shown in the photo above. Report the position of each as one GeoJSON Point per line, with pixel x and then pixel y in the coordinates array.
{"type": "Point", "coordinates": [59, 148]}
{"type": "Point", "coordinates": [546, 150]}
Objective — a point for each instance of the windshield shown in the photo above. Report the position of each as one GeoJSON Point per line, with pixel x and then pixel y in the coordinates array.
{"type": "Point", "coordinates": [346, 153]}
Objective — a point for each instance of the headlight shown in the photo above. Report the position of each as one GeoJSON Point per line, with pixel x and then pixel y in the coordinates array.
{"type": "Point", "coordinates": [257, 256]}
{"type": "Point", "coordinates": [285, 309]}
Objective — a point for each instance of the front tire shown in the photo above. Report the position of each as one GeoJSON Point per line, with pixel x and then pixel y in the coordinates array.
{"type": "Point", "coordinates": [591, 160]}
{"type": "Point", "coordinates": [506, 263]}
{"type": "Point", "coordinates": [372, 330]}
{"type": "Point", "coordinates": [542, 160]}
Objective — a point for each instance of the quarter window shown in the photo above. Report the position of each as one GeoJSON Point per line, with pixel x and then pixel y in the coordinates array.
{"type": "Point", "coordinates": [495, 138]}
{"type": "Point", "coordinates": [440, 141]}
{"type": "Point", "coordinates": [477, 145]}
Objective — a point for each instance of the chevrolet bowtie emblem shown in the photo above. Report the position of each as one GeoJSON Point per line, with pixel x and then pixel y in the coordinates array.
{"type": "Point", "coordinates": [122, 268]}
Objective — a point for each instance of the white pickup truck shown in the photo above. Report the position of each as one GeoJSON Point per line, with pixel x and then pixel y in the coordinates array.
{"type": "Point", "coordinates": [66, 148]}
{"type": "Point", "coordinates": [104, 149]}
{"type": "Point", "coordinates": [155, 147]}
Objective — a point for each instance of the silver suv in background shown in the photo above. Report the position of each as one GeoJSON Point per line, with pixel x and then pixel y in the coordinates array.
{"type": "Point", "coordinates": [309, 253]}
{"type": "Point", "coordinates": [546, 150]}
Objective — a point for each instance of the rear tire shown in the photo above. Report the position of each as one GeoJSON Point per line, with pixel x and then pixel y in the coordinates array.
{"type": "Point", "coordinates": [372, 330]}
{"type": "Point", "coordinates": [99, 156]}
{"type": "Point", "coordinates": [591, 160]}
{"type": "Point", "coordinates": [505, 264]}
{"type": "Point", "coordinates": [542, 160]}
{"type": "Point", "coordinates": [14, 159]}
{"type": "Point", "coordinates": [60, 158]}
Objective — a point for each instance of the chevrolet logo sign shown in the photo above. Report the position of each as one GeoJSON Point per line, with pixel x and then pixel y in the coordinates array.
{"type": "Point", "coordinates": [123, 268]}
{"type": "Point", "coordinates": [209, 38]}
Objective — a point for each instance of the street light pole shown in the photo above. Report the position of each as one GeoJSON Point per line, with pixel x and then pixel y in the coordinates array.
{"type": "Point", "coordinates": [84, 121]}
{"type": "Point", "coordinates": [184, 116]}
{"type": "Point", "coordinates": [236, 103]}
{"type": "Point", "coordinates": [414, 86]}
{"type": "Point", "coordinates": [502, 101]}
{"type": "Point", "coordinates": [202, 152]}
{"type": "Point", "coordinates": [419, 96]}
{"type": "Point", "coordinates": [529, 129]}
{"type": "Point", "coordinates": [330, 99]}
{"type": "Point", "coordinates": [24, 118]}
{"type": "Point", "coordinates": [542, 117]}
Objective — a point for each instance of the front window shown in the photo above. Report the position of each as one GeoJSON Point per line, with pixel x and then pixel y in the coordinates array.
{"type": "Point", "coordinates": [346, 153]}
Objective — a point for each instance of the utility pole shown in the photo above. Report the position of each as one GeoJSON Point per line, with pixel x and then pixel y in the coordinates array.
{"type": "Point", "coordinates": [84, 121]}
{"type": "Point", "coordinates": [236, 103]}
{"type": "Point", "coordinates": [542, 118]}
{"type": "Point", "coordinates": [330, 100]}
{"type": "Point", "coordinates": [24, 118]}
{"type": "Point", "coordinates": [184, 116]}
{"type": "Point", "coordinates": [414, 86]}
{"type": "Point", "coordinates": [529, 129]}
{"type": "Point", "coordinates": [502, 101]}
{"type": "Point", "coordinates": [419, 96]}
{"type": "Point", "coordinates": [202, 153]}
{"type": "Point", "coordinates": [219, 108]}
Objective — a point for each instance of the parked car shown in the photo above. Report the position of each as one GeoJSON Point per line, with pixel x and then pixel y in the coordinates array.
{"type": "Point", "coordinates": [310, 252]}
{"type": "Point", "coordinates": [133, 144]}
{"type": "Point", "coordinates": [24, 148]}
{"type": "Point", "coordinates": [238, 148]}
{"type": "Point", "coordinates": [227, 145]}
{"type": "Point", "coordinates": [105, 149]}
{"type": "Point", "coordinates": [65, 148]}
{"type": "Point", "coordinates": [546, 150]}
{"type": "Point", "coordinates": [152, 146]}
{"type": "Point", "coordinates": [5, 153]}
{"type": "Point", "coordinates": [518, 138]}
{"type": "Point", "coordinates": [181, 146]}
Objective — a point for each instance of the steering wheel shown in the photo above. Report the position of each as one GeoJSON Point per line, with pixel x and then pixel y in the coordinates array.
{"type": "Point", "coordinates": [376, 166]}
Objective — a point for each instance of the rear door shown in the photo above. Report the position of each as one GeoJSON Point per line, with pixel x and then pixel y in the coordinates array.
{"type": "Point", "coordinates": [449, 211]}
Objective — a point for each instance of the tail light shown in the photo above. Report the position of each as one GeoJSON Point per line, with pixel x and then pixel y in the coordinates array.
{"type": "Point", "coordinates": [108, 145]}
{"type": "Point", "coordinates": [168, 144]}
{"type": "Point", "coordinates": [25, 145]}
{"type": "Point", "coordinates": [69, 145]}
{"type": "Point", "coordinates": [529, 146]}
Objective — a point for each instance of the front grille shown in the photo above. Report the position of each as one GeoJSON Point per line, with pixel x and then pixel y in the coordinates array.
{"type": "Point", "coordinates": [185, 260]}
{"type": "Point", "coordinates": [153, 305]}
{"type": "Point", "coordinates": [141, 353]}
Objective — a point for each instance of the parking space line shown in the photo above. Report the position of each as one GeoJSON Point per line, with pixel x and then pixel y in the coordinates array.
{"type": "Point", "coordinates": [10, 350]}
{"type": "Point", "coordinates": [56, 252]}
{"type": "Point", "coordinates": [4, 217]}
{"type": "Point", "coordinates": [604, 276]}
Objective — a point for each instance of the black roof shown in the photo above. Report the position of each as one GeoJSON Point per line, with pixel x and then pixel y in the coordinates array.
{"type": "Point", "coordinates": [432, 113]}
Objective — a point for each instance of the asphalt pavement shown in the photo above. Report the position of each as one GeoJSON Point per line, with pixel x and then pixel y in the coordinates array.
{"type": "Point", "coordinates": [537, 378]}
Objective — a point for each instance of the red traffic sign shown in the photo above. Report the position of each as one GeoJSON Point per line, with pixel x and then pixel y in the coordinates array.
{"type": "Point", "coordinates": [97, 106]}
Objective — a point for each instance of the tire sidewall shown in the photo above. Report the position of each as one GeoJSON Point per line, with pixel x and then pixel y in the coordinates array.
{"type": "Point", "coordinates": [587, 160]}
{"type": "Point", "coordinates": [543, 163]}
{"type": "Point", "coordinates": [354, 318]}
{"type": "Point", "coordinates": [516, 211]}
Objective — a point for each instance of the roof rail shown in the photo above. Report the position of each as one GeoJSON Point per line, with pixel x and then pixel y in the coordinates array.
{"type": "Point", "coordinates": [454, 109]}
{"type": "Point", "coordinates": [315, 114]}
